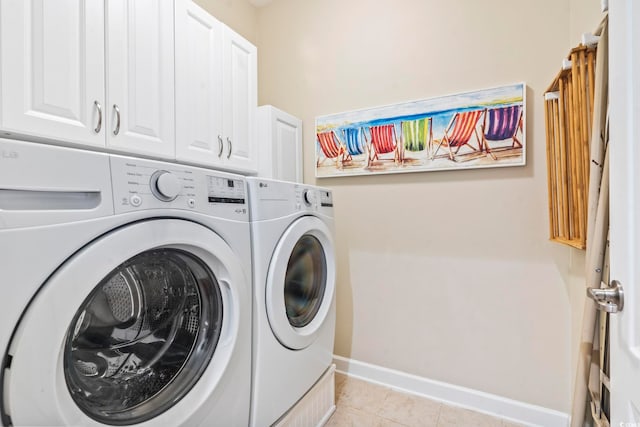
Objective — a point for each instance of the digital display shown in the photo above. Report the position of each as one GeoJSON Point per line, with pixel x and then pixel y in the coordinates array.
{"type": "Point", "coordinates": [326, 199]}
{"type": "Point", "coordinates": [226, 200]}
{"type": "Point", "coordinates": [226, 190]}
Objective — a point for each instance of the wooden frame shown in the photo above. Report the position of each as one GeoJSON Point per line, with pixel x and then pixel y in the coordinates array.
{"type": "Point", "coordinates": [568, 119]}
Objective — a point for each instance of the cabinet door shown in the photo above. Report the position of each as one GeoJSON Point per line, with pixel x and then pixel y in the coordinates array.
{"type": "Point", "coordinates": [279, 145]}
{"type": "Point", "coordinates": [198, 86]}
{"type": "Point", "coordinates": [140, 77]}
{"type": "Point", "coordinates": [52, 69]}
{"type": "Point", "coordinates": [240, 102]}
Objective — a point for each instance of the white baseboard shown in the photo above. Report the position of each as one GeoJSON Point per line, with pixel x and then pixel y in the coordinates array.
{"type": "Point", "coordinates": [508, 409]}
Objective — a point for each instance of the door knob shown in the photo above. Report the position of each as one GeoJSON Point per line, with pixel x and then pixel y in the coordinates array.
{"type": "Point", "coordinates": [609, 299]}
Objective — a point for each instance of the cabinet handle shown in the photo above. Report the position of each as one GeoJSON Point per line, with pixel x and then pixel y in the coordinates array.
{"type": "Point", "coordinates": [230, 147]}
{"type": "Point", "coordinates": [99, 108]}
{"type": "Point", "coordinates": [117, 110]}
{"type": "Point", "coordinates": [220, 146]}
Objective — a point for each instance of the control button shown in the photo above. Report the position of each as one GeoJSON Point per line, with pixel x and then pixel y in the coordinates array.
{"type": "Point", "coordinates": [135, 200]}
{"type": "Point", "coordinates": [165, 186]}
{"type": "Point", "coordinates": [191, 203]}
{"type": "Point", "coordinates": [309, 197]}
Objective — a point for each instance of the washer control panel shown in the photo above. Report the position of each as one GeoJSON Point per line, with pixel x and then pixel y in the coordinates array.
{"type": "Point", "coordinates": [165, 185]}
{"type": "Point", "coordinates": [222, 189]}
{"type": "Point", "coordinates": [148, 184]}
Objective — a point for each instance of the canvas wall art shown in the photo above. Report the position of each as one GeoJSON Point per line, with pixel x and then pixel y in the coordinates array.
{"type": "Point", "coordinates": [480, 129]}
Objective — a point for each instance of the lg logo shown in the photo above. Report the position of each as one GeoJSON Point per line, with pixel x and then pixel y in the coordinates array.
{"type": "Point", "coordinates": [8, 154]}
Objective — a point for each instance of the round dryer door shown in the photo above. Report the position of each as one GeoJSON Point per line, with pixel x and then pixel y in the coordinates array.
{"type": "Point", "coordinates": [128, 328]}
{"type": "Point", "coordinates": [301, 282]}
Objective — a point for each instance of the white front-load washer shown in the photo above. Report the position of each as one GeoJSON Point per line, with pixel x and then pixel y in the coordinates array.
{"type": "Point", "coordinates": [126, 291]}
{"type": "Point", "coordinates": [294, 293]}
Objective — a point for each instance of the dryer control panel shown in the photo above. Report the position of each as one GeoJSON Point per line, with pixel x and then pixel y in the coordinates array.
{"type": "Point", "coordinates": [314, 198]}
{"type": "Point", "coordinates": [275, 199]}
{"type": "Point", "coordinates": [148, 184]}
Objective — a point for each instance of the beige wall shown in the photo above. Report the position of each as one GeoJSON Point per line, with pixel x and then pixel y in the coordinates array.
{"type": "Point", "coordinates": [445, 275]}
{"type": "Point", "coordinates": [238, 15]}
{"type": "Point", "coordinates": [584, 17]}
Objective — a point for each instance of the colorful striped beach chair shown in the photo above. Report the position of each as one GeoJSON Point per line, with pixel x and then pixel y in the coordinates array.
{"type": "Point", "coordinates": [383, 141]}
{"type": "Point", "coordinates": [417, 135]}
{"type": "Point", "coordinates": [500, 124]}
{"type": "Point", "coordinates": [356, 145]}
{"type": "Point", "coordinates": [459, 131]}
{"type": "Point", "coordinates": [332, 148]}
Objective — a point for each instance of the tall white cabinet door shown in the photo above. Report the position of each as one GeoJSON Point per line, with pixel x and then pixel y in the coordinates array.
{"type": "Point", "coordinates": [199, 136]}
{"type": "Point", "coordinates": [140, 77]}
{"type": "Point", "coordinates": [279, 145]}
{"type": "Point", "coordinates": [241, 102]}
{"type": "Point", "coordinates": [52, 68]}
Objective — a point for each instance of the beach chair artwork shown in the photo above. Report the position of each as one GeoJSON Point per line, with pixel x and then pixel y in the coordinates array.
{"type": "Point", "coordinates": [332, 149]}
{"type": "Point", "coordinates": [478, 129]}
{"type": "Point", "coordinates": [417, 136]}
{"type": "Point", "coordinates": [383, 141]}
{"type": "Point", "coordinates": [500, 124]}
{"type": "Point", "coordinates": [462, 127]}
{"type": "Point", "coordinates": [355, 141]}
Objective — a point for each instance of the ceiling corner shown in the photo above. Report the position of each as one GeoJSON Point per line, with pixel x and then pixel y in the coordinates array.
{"type": "Point", "coordinates": [259, 3]}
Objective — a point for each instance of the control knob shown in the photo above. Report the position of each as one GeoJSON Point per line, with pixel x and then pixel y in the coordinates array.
{"type": "Point", "coordinates": [165, 186]}
{"type": "Point", "coordinates": [309, 197]}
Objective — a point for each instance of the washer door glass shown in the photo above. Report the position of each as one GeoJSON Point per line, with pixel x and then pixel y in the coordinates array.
{"type": "Point", "coordinates": [143, 337]}
{"type": "Point", "coordinates": [305, 281]}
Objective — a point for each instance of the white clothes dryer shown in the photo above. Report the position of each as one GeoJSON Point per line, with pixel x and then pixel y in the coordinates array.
{"type": "Point", "coordinates": [126, 292]}
{"type": "Point", "coordinates": [294, 293]}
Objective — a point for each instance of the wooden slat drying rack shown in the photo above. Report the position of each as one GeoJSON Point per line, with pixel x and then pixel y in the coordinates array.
{"type": "Point", "coordinates": [568, 118]}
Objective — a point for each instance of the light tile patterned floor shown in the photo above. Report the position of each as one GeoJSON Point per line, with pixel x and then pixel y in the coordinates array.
{"type": "Point", "coordinates": [363, 404]}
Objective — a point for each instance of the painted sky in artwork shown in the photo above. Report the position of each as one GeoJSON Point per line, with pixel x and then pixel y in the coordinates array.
{"type": "Point", "coordinates": [441, 109]}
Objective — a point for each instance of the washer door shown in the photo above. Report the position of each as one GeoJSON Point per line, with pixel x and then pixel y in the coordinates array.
{"type": "Point", "coordinates": [301, 282]}
{"type": "Point", "coordinates": [126, 329]}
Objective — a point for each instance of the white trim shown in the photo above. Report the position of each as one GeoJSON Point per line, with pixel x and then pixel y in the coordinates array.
{"type": "Point", "coordinates": [497, 406]}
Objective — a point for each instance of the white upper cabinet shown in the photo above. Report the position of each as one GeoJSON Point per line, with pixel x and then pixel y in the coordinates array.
{"type": "Point", "coordinates": [216, 92]}
{"type": "Point", "coordinates": [52, 70]}
{"type": "Point", "coordinates": [279, 145]}
{"type": "Point", "coordinates": [140, 77]}
{"type": "Point", "coordinates": [58, 82]}
{"type": "Point", "coordinates": [198, 85]}
{"type": "Point", "coordinates": [160, 78]}
{"type": "Point", "coordinates": [240, 101]}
